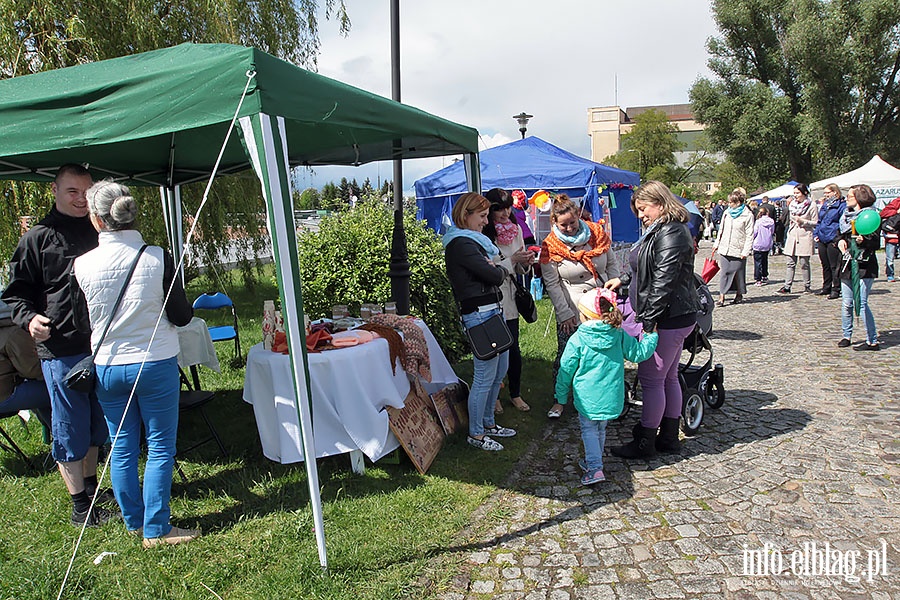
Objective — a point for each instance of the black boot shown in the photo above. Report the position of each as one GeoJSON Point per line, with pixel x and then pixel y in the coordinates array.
{"type": "Point", "coordinates": [642, 446]}
{"type": "Point", "coordinates": [667, 440]}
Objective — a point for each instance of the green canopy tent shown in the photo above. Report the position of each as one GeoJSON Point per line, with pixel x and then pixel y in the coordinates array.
{"type": "Point", "coordinates": [160, 118]}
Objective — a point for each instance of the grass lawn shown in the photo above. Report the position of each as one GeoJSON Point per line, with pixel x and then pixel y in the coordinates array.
{"type": "Point", "coordinates": [390, 533]}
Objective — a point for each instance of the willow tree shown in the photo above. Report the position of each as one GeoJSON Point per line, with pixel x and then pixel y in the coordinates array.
{"type": "Point", "coordinates": [803, 88]}
{"type": "Point", "coordinates": [40, 35]}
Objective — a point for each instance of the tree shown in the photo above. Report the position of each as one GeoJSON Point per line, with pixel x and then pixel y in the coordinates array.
{"type": "Point", "coordinates": [39, 35]}
{"type": "Point", "coordinates": [803, 88]}
{"type": "Point", "coordinates": [308, 199]}
{"type": "Point", "coordinates": [649, 148]}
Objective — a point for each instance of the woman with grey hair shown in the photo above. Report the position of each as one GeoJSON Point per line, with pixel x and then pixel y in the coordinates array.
{"type": "Point", "coordinates": [137, 381]}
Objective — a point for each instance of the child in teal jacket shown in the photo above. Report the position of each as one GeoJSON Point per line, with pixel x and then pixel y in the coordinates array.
{"type": "Point", "coordinates": [593, 369]}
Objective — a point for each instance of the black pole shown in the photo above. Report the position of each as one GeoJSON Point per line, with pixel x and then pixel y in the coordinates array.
{"type": "Point", "coordinates": [399, 270]}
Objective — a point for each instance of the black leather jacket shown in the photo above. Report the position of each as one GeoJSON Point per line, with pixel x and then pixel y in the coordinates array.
{"type": "Point", "coordinates": [664, 287]}
{"type": "Point", "coordinates": [473, 279]}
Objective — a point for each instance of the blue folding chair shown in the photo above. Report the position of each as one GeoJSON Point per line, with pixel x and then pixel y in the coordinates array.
{"type": "Point", "coordinates": [221, 333]}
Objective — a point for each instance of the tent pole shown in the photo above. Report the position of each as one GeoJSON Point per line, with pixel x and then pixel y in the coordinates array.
{"type": "Point", "coordinates": [399, 268]}
{"type": "Point", "coordinates": [266, 143]}
{"type": "Point", "coordinates": [171, 205]}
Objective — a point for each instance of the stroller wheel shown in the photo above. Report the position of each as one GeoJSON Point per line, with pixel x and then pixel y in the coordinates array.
{"type": "Point", "coordinates": [691, 411]}
{"type": "Point", "coordinates": [715, 389]}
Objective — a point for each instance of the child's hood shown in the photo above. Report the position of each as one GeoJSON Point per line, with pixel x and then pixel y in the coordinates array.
{"type": "Point", "coordinates": [599, 334]}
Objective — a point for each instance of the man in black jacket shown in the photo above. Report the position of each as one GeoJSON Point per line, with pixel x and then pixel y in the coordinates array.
{"type": "Point", "coordinates": [43, 304]}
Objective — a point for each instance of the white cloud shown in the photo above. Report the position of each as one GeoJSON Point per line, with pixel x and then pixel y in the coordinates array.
{"type": "Point", "coordinates": [481, 62]}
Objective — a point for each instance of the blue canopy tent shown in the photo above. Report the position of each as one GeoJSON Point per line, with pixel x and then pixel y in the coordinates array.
{"type": "Point", "coordinates": [531, 164]}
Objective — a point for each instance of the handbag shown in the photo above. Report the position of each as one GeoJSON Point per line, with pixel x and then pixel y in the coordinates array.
{"type": "Point", "coordinates": [710, 268]}
{"type": "Point", "coordinates": [489, 338]}
{"type": "Point", "coordinates": [83, 376]}
{"type": "Point", "coordinates": [524, 302]}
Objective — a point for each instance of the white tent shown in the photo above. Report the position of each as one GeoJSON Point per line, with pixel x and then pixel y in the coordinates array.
{"type": "Point", "coordinates": [883, 178]}
{"type": "Point", "coordinates": [782, 191]}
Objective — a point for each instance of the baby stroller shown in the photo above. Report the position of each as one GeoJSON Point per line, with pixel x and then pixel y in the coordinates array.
{"type": "Point", "coordinates": [702, 381]}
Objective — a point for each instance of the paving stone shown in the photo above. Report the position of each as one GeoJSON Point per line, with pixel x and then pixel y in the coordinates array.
{"type": "Point", "coordinates": [794, 455]}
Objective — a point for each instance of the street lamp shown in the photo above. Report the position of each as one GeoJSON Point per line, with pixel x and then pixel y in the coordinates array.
{"type": "Point", "coordinates": [522, 120]}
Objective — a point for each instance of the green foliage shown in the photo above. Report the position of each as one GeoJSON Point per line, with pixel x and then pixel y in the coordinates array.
{"type": "Point", "coordinates": [347, 262]}
{"type": "Point", "coordinates": [308, 199]}
{"type": "Point", "coordinates": [649, 148]}
{"type": "Point", "coordinates": [39, 35]}
{"type": "Point", "coordinates": [803, 88]}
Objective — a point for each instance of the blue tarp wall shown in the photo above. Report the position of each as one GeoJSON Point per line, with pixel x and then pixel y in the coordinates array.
{"type": "Point", "coordinates": [530, 165]}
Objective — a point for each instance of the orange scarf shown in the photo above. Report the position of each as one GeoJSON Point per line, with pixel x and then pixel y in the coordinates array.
{"type": "Point", "coordinates": [556, 250]}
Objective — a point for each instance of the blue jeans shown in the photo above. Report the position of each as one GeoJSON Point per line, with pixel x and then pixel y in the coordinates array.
{"type": "Point", "coordinates": [155, 405]}
{"type": "Point", "coordinates": [77, 419]}
{"type": "Point", "coordinates": [31, 394]}
{"type": "Point", "coordinates": [865, 286]}
{"type": "Point", "coordinates": [593, 436]}
{"type": "Point", "coordinates": [890, 253]}
{"type": "Point", "coordinates": [486, 380]}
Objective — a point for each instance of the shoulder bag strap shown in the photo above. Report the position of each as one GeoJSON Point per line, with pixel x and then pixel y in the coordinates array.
{"type": "Point", "coordinates": [119, 299]}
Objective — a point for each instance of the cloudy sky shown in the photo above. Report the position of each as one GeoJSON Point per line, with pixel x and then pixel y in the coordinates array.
{"type": "Point", "coordinates": [481, 62]}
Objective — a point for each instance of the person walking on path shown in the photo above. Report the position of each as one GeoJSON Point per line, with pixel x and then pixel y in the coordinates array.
{"type": "Point", "coordinates": [664, 297]}
{"type": "Point", "coordinates": [890, 227]}
{"type": "Point", "coordinates": [826, 235]}
{"type": "Point", "coordinates": [860, 255]}
{"type": "Point", "coordinates": [592, 369]}
{"type": "Point", "coordinates": [505, 232]}
{"type": "Point", "coordinates": [733, 245]}
{"type": "Point", "coordinates": [475, 281]}
{"type": "Point", "coordinates": [44, 303]}
{"type": "Point", "coordinates": [798, 245]}
{"type": "Point", "coordinates": [763, 239]}
{"type": "Point", "coordinates": [137, 366]}
{"type": "Point", "coordinates": [575, 258]}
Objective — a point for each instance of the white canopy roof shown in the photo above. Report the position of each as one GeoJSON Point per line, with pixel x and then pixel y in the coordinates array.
{"type": "Point", "coordinates": [782, 191]}
{"type": "Point", "coordinates": [883, 178]}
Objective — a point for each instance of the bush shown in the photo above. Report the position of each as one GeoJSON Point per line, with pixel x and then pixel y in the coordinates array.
{"type": "Point", "coordinates": [347, 262]}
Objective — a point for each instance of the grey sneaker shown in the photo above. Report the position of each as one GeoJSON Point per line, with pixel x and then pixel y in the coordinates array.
{"type": "Point", "coordinates": [95, 517]}
{"type": "Point", "coordinates": [498, 431]}
{"type": "Point", "coordinates": [176, 535]}
{"type": "Point", "coordinates": [485, 443]}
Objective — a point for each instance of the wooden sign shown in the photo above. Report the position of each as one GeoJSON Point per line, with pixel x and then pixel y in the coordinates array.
{"type": "Point", "coordinates": [452, 410]}
{"type": "Point", "coordinates": [417, 427]}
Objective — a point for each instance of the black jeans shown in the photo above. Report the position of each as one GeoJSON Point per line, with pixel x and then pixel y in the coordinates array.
{"type": "Point", "coordinates": [831, 266]}
{"type": "Point", "coordinates": [514, 372]}
{"type": "Point", "coordinates": [760, 264]}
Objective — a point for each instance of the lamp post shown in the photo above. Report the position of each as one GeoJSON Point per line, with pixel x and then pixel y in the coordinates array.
{"type": "Point", "coordinates": [522, 120]}
{"type": "Point", "coordinates": [399, 266]}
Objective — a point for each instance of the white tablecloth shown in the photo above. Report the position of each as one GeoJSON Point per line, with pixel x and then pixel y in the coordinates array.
{"type": "Point", "coordinates": [196, 346]}
{"type": "Point", "coordinates": [351, 387]}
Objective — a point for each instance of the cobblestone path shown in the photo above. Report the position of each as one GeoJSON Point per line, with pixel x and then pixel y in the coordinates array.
{"type": "Point", "coordinates": [805, 452]}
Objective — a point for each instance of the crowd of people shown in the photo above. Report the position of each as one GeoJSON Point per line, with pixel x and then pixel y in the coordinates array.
{"type": "Point", "coordinates": [588, 287]}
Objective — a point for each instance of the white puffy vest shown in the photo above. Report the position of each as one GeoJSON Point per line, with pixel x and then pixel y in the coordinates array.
{"type": "Point", "coordinates": [101, 274]}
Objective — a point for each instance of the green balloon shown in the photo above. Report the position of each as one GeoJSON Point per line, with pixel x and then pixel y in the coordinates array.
{"type": "Point", "coordinates": [867, 222]}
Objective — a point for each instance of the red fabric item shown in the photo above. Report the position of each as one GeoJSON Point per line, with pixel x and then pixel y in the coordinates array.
{"type": "Point", "coordinates": [710, 268]}
{"type": "Point", "coordinates": [316, 338]}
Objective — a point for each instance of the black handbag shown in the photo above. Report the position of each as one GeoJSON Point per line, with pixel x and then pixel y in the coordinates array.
{"type": "Point", "coordinates": [524, 302]}
{"type": "Point", "coordinates": [83, 376]}
{"type": "Point", "coordinates": [489, 338]}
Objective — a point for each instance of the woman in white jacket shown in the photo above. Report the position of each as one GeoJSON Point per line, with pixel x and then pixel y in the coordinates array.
{"type": "Point", "coordinates": [734, 245]}
{"type": "Point", "coordinates": [137, 382]}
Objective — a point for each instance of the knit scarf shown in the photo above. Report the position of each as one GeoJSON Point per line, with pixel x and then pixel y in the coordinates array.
{"type": "Point", "coordinates": [847, 218]}
{"type": "Point", "coordinates": [736, 212]}
{"type": "Point", "coordinates": [799, 208]}
{"type": "Point", "coordinates": [557, 250]}
{"type": "Point", "coordinates": [506, 232]}
{"type": "Point", "coordinates": [476, 236]}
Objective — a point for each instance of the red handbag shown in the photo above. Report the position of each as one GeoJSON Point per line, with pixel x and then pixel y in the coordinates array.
{"type": "Point", "coordinates": [710, 268]}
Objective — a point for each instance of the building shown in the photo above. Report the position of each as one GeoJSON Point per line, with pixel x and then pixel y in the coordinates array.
{"type": "Point", "coordinates": [607, 124]}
